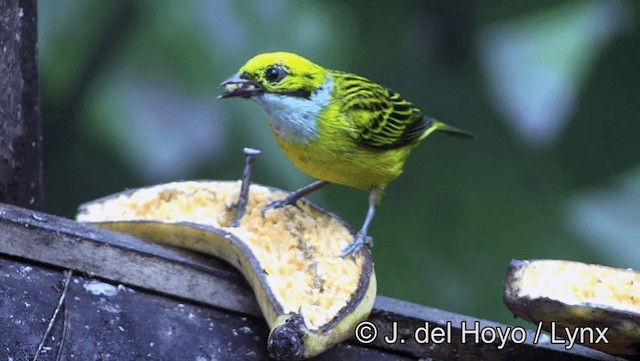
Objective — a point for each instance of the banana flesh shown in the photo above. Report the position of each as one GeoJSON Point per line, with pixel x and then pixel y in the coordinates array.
{"type": "Point", "coordinates": [596, 306]}
{"type": "Point", "coordinates": [311, 298]}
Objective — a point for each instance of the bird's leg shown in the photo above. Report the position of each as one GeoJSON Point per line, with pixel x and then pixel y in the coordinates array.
{"type": "Point", "coordinates": [293, 197]}
{"type": "Point", "coordinates": [362, 239]}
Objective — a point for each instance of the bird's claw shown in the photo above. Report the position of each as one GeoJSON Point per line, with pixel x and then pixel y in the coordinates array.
{"type": "Point", "coordinates": [279, 204]}
{"type": "Point", "coordinates": [356, 245]}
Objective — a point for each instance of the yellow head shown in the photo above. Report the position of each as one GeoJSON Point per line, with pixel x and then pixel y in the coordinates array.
{"type": "Point", "coordinates": [276, 73]}
{"type": "Point", "coordinates": [290, 88]}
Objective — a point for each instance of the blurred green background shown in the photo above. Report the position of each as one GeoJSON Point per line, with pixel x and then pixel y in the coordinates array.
{"type": "Point", "coordinates": [551, 89]}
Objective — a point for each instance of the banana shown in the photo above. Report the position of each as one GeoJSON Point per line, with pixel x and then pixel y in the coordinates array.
{"type": "Point", "coordinates": [594, 305]}
{"type": "Point", "coordinates": [311, 298]}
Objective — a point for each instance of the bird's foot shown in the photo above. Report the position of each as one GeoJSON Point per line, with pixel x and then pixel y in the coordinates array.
{"type": "Point", "coordinates": [356, 245]}
{"type": "Point", "coordinates": [279, 204]}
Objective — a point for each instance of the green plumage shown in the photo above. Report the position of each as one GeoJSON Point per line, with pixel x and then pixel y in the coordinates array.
{"type": "Point", "coordinates": [383, 119]}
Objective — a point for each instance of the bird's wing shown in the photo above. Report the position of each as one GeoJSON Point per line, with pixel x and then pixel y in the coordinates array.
{"type": "Point", "coordinates": [378, 117]}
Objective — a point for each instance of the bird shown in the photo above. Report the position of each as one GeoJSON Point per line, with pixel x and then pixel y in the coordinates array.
{"type": "Point", "coordinates": [338, 127]}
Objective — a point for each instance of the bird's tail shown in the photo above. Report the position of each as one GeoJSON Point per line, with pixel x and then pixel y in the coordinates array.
{"type": "Point", "coordinates": [437, 125]}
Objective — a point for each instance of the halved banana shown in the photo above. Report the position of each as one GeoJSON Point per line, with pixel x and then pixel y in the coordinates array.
{"type": "Point", "coordinates": [310, 297]}
{"type": "Point", "coordinates": [595, 305]}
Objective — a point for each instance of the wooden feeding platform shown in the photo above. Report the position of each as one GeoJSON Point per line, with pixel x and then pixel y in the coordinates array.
{"type": "Point", "coordinates": [128, 299]}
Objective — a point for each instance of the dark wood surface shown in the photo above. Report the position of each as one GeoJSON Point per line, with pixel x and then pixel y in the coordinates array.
{"type": "Point", "coordinates": [20, 128]}
{"type": "Point", "coordinates": [129, 299]}
{"type": "Point", "coordinates": [109, 321]}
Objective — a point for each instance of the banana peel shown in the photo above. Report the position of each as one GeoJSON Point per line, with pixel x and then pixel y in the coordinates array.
{"type": "Point", "coordinates": [310, 297]}
{"type": "Point", "coordinates": [596, 306]}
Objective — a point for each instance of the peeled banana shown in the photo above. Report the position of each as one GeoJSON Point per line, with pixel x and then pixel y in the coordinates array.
{"type": "Point", "coordinates": [578, 303]}
{"type": "Point", "coordinates": [311, 298]}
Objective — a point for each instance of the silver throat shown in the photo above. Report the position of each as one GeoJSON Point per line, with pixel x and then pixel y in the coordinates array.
{"type": "Point", "coordinates": [294, 119]}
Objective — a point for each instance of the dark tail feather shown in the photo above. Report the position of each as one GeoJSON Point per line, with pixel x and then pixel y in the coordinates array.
{"type": "Point", "coordinates": [439, 126]}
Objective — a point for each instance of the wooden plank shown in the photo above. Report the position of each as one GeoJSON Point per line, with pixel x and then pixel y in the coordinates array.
{"type": "Point", "coordinates": [106, 321]}
{"type": "Point", "coordinates": [195, 279]}
{"type": "Point", "coordinates": [410, 317]}
{"type": "Point", "coordinates": [122, 258]}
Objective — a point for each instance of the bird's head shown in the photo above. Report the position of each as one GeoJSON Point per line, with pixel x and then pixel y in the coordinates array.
{"type": "Point", "coordinates": [275, 73]}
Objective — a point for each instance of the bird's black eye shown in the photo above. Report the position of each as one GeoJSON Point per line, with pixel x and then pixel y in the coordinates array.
{"type": "Point", "coordinates": [274, 74]}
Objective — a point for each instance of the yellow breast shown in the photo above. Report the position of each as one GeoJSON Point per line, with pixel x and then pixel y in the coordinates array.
{"type": "Point", "coordinates": [335, 157]}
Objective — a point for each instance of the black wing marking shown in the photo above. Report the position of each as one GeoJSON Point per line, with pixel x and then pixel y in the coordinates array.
{"type": "Point", "coordinates": [380, 118]}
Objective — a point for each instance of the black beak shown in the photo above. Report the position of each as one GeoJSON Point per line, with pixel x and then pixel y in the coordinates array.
{"type": "Point", "coordinates": [238, 86]}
